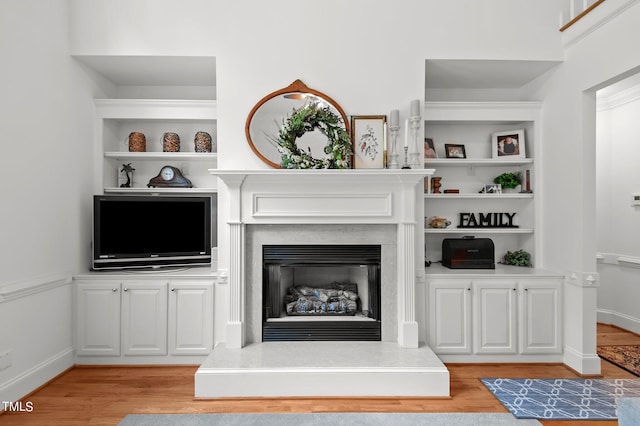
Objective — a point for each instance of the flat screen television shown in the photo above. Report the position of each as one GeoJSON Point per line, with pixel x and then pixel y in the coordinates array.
{"type": "Point", "coordinates": [152, 231]}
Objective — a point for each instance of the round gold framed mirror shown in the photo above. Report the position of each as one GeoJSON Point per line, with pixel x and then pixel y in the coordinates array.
{"type": "Point", "coordinates": [270, 114]}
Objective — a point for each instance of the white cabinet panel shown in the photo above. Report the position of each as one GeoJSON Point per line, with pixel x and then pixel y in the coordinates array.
{"type": "Point", "coordinates": [450, 316]}
{"type": "Point", "coordinates": [190, 318]}
{"type": "Point", "coordinates": [98, 318]}
{"type": "Point", "coordinates": [541, 331]}
{"type": "Point", "coordinates": [144, 318]}
{"type": "Point", "coordinates": [495, 317]}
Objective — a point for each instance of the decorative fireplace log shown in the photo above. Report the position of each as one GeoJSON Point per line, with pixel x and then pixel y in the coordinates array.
{"type": "Point", "coordinates": [332, 300]}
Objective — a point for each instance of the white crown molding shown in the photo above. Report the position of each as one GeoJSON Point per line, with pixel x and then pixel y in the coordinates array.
{"type": "Point", "coordinates": [618, 99]}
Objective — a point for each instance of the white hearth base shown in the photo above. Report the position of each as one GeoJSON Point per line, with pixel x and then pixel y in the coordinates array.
{"type": "Point", "coordinates": [322, 369]}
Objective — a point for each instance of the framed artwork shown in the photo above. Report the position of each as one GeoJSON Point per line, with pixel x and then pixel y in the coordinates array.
{"type": "Point", "coordinates": [429, 149]}
{"type": "Point", "coordinates": [368, 135]}
{"type": "Point", "coordinates": [508, 144]}
{"type": "Point", "coordinates": [454, 151]}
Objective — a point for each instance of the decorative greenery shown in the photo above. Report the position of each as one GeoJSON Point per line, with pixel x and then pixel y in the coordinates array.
{"type": "Point", "coordinates": [509, 180]}
{"type": "Point", "coordinates": [517, 258]}
{"type": "Point", "coordinates": [307, 119]}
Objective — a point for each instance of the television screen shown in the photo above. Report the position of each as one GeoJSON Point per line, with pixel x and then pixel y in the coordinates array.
{"type": "Point", "coordinates": [152, 231]}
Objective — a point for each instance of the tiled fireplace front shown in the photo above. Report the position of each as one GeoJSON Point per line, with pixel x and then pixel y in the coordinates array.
{"type": "Point", "coordinates": [379, 320]}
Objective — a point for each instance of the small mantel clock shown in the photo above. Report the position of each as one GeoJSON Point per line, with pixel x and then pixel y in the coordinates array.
{"type": "Point", "coordinates": [170, 177]}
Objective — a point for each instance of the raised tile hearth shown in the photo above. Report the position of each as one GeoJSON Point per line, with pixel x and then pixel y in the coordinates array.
{"type": "Point", "coordinates": [282, 369]}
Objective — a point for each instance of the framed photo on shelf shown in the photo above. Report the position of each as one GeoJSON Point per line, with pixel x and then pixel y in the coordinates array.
{"type": "Point", "coordinates": [508, 144]}
{"type": "Point", "coordinates": [454, 151]}
{"type": "Point", "coordinates": [429, 149]}
{"type": "Point", "coordinates": [369, 136]}
{"type": "Point", "coordinates": [494, 188]}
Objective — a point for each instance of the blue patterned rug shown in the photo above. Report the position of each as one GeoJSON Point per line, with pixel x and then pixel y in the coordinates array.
{"type": "Point", "coordinates": [556, 399]}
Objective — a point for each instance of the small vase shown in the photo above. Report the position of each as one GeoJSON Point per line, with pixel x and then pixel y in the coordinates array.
{"type": "Point", "coordinates": [435, 185]}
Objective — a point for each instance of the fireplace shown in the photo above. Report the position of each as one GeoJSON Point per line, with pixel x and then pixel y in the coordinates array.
{"type": "Point", "coordinates": [367, 207]}
{"type": "Point", "coordinates": [321, 292]}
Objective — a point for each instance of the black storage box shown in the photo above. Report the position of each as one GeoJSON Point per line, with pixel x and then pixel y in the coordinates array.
{"type": "Point", "coordinates": [468, 253]}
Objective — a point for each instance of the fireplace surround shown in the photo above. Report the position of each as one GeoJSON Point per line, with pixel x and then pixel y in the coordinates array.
{"type": "Point", "coordinates": [369, 197]}
{"type": "Point", "coordinates": [322, 207]}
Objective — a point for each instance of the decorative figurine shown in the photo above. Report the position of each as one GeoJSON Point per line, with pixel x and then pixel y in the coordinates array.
{"type": "Point", "coordinates": [128, 172]}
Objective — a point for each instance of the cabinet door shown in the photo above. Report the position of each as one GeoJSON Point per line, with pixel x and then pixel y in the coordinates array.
{"type": "Point", "coordinates": [450, 316]}
{"type": "Point", "coordinates": [494, 307]}
{"type": "Point", "coordinates": [98, 318]}
{"type": "Point", "coordinates": [144, 318]}
{"type": "Point", "coordinates": [540, 319]}
{"type": "Point", "coordinates": [190, 318]}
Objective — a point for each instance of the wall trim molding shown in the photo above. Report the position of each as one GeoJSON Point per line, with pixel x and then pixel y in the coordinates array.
{"type": "Point", "coordinates": [38, 375]}
{"type": "Point", "coordinates": [17, 289]}
{"type": "Point", "coordinates": [618, 259]}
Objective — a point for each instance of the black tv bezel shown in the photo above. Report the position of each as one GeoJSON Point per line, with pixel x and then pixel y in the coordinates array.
{"type": "Point", "coordinates": [154, 260]}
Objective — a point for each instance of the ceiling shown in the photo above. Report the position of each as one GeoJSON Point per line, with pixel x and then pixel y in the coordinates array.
{"type": "Point", "coordinates": [483, 74]}
{"type": "Point", "coordinates": [154, 70]}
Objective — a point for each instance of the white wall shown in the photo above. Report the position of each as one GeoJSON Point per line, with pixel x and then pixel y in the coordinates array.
{"type": "Point", "coordinates": [618, 223]}
{"type": "Point", "coordinates": [569, 133]}
{"type": "Point", "coordinates": [46, 124]}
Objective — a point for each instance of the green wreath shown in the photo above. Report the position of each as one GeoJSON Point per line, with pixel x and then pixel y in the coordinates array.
{"type": "Point", "coordinates": [308, 119]}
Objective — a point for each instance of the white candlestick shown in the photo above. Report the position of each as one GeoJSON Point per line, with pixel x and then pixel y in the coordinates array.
{"type": "Point", "coordinates": [406, 132]}
{"type": "Point", "coordinates": [415, 108]}
{"type": "Point", "coordinates": [395, 117]}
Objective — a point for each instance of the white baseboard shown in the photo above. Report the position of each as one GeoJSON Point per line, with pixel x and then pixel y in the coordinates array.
{"type": "Point", "coordinates": [620, 320]}
{"type": "Point", "coordinates": [25, 383]}
{"type": "Point", "coordinates": [582, 363]}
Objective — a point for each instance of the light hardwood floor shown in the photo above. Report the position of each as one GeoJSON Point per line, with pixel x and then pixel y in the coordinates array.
{"type": "Point", "coordinates": [104, 395]}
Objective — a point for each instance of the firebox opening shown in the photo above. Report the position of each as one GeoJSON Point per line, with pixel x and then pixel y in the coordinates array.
{"type": "Point", "coordinates": [321, 292]}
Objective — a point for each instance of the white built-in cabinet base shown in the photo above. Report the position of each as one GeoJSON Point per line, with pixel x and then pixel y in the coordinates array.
{"type": "Point", "coordinates": [143, 319]}
{"type": "Point", "coordinates": [491, 316]}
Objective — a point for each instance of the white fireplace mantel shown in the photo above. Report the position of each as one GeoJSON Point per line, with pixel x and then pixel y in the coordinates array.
{"type": "Point", "coordinates": [324, 196]}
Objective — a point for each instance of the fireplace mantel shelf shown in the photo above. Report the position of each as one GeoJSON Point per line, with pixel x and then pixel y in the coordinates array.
{"type": "Point", "coordinates": [288, 173]}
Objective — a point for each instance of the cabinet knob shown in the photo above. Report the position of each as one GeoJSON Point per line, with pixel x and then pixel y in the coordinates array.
{"type": "Point", "coordinates": [125, 289]}
{"type": "Point", "coordinates": [513, 289]}
{"type": "Point", "coordinates": [526, 289]}
{"type": "Point", "coordinates": [173, 289]}
{"type": "Point", "coordinates": [114, 290]}
{"type": "Point", "coordinates": [469, 289]}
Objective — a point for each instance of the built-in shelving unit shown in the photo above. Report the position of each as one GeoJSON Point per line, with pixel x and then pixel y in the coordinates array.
{"type": "Point", "coordinates": [117, 118]}
{"type": "Point", "coordinates": [472, 124]}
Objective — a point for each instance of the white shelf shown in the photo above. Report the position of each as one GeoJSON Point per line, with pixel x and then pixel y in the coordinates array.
{"type": "Point", "coordinates": [145, 190]}
{"type": "Point", "coordinates": [117, 118]}
{"type": "Point", "coordinates": [518, 195]}
{"type": "Point", "coordinates": [467, 231]}
{"type": "Point", "coordinates": [478, 162]}
{"type": "Point", "coordinates": [169, 156]}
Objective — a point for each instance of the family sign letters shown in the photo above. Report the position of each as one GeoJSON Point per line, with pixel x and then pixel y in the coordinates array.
{"type": "Point", "coordinates": [487, 220]}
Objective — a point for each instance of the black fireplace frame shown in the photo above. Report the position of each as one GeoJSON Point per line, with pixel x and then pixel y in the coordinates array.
{"type": "Point", "coordinates": [276, 256]}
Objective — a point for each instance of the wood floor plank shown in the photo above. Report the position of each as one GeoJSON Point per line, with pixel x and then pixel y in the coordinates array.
{"type": "Point", "coordinates": [103, 396]}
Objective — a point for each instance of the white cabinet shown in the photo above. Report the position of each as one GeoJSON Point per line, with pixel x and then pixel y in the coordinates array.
{"type": "Point", "coordinates": [190, 318]}
{"type": "Point", "coordinates": [494, 317]}
{"type": "Point", "coordinates": [144, 318]}
{"type": "Point", "coordinates": [540, 328]}
{"type": "Point", "coordinates": [471, 124]}
{"type": "Point", "coordinates": [98, 318]}
{"type": "Point", "coordinates": [126, 320]}
{"type": "Point", "coordinates": [476, 318]}
{"type": "Point", "coordinates": [116, 119]}
{"type": "Point", "coordinates": [450, 316]}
